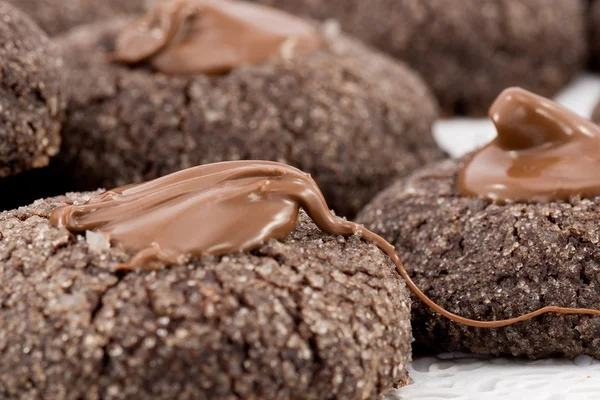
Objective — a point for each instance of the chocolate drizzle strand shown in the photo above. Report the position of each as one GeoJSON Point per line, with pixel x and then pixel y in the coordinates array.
{"type": "Point", "coordinates": [224, 208]}
{"type": "Point", "coordinates": [212, 36]}
{"type": "Point", "coordinates": [543, 152]}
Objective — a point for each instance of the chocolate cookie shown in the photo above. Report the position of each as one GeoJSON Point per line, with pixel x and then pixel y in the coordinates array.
{"type": "Point", "coordinates": [32, 98]}
{"type": "Point", "coordinates": [350, 116]}
{"type": "Point", "coordinates": [467, 51]}
{"type": "Point", "coordinates": [487, 261]}
{"type": "Point", "coordinates": [309, 316]}
{"type": "Point", "coordinates": [492, 261]}
{"type": "Point", "coordinates": [56, 16]}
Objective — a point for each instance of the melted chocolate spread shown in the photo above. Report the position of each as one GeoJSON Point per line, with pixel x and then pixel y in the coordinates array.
{"type": "Point", "coordinates": [224, 208]}
{"type": "Point", "coordinates": [212, 36]}
{"type": "Point", "coordinates": [543, 152]}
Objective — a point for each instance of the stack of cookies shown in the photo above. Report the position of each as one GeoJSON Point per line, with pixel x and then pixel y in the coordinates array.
{"type": "Point", "coordinates": [238, 140]}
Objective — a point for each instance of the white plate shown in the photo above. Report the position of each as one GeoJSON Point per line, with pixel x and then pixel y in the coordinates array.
{"type": "Point", "coordinates": [470, 377]}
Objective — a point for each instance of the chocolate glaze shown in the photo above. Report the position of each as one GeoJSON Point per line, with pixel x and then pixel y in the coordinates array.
{"type": "Point", "coordinates": [224, 208]}
{"type": "Point", "coordinates": [212, 36]}
{"type": "Point", "coordinates": [543, 152]}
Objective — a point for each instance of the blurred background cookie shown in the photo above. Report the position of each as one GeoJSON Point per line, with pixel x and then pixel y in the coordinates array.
{"type": "Point", "coordinates": [32, 94]}
{"type": "Point", "coordinates": [350, 116]}
{"type": "Point", "coordinates": [56, 16]}
{"type": "Point", "coordinates": [468, 51]}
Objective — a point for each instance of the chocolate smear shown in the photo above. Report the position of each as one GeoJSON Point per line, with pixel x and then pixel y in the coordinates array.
{"type": "Point", "coordinates": [212, 36]}
{"type": "Point", "coordinates": [543, 153]}
{"type": "Point", "coordinates": [223, 208]}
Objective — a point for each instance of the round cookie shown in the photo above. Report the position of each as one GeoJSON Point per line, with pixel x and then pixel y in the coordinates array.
{"type": "Point", "coordinates": [56, 16]}
{"type": "Point", "coordinates": [491, 262]}
{"type": "Point", "coordinates": [32, 99]}
{"type": "Point", "coordinates": [310, 316]}
{"type": "Point", "coordinates": [466, 51]}
{"type": "Point", "coordinates": [350, 116]}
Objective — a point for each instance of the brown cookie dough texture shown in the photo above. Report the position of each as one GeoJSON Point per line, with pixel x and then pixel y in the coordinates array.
{"type": "Point", "coordinates": [468, 51]}
{"type": "Point", "coordinates": [492, 262]}
{"type": "Point", "coordinates": [351, 117]}
{"type": "Point", "coordinates": [32, 97]}
{"type": "Point", "coordinates": [56, 16]}
{"type": "Point", "coordinates": [312, 316]}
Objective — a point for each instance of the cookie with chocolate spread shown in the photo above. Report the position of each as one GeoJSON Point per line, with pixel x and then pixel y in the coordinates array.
{"type": "Point", "coordinates": [504, 231]}
{"type": "Point", "coordinates": [56, 16]}
{"type": "Point", "coordinates": [306, 314]}
{"type": "Point", "coordinates": [194, 94]}
{"type": "Point", "coordinates": [466, 50]}
{"type": "Point", "coordinates": [32, 95]}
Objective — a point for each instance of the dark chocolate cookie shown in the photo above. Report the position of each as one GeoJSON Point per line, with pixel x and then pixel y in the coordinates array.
{"type": "Point", "coordinates": [491, 262]}
{"type": "Point", "coordinates": [56, 16]}
{"type": "Point", "coordinates": [350, 116]}
{"type": "Point", "coordinates": [311, 316]}
{"type": "Point", "coordinates": [466, 50]}
{"type": "Point", "coordinates": [32, 95]}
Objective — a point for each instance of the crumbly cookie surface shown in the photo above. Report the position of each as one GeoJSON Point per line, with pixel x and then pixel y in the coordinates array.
{"type": "Point", "coordinates": [490, 262]}
{"type": "Point", "coordinates": [311, 316]}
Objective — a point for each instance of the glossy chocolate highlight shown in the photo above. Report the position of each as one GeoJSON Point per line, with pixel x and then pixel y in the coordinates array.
{"type": "Point", "coordinates": [212, 36]}
{"type": "Point", "coordinates": [543, 152]}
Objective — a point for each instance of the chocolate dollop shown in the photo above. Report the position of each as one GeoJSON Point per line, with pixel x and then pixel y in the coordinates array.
{"type": "Point", "coordinates": [211, 209]}
{"type": "Point", "coordinates": [224, 208]}
{"type": "Point", "coordinates": [212, 36]}
{"type": "Point", "coordinates": [543, 152]}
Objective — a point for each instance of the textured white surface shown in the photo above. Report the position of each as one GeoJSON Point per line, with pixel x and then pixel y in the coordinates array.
{"type": "Point", "coordinates": [470, 377]}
